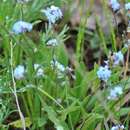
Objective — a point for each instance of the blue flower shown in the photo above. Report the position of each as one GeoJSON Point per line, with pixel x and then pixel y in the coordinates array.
{"type": "Point", "coordinates": [127, 6]}
{"type": "Point", "coordinates": [118, 58]}
{"type": "Point", "coordinates": [104, 73]}
{"type": "Point", "coordinates": [19, 72]}
{"type": "Point", "coordinates": [21, 27]}
{"type": "Point", "coordinates": [58, 65]}
{"type": "Point", "coordinates": [115, 92]}
{"type": "Point", "coordinates": [118, 127]}
{"type": "Point", "coordinates": [114, 5]}
{"type": "Point", "coordinates": [53, 14]}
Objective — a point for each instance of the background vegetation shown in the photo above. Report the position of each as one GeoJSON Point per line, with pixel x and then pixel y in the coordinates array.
{"type": "Point", "coordinates": [73, 99]}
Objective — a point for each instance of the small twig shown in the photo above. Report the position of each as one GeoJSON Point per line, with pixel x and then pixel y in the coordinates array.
{"type": "Point", "coordinates": [116, 23]}
{"type": "Point", "coordinates": [127, 63]}
{"type": "Point", "coordinates": [14, 88]}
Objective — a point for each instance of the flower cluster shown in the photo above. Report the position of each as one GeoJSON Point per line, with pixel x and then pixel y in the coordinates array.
{"type": "Point", "coordinates": [115, 5]}
{"type": "Point", "coordinates": [104, 73]}
{"type": "Point", "coordinates": [19, 72]}
{"type": "Point", "coordinates": [57, 65]}
{"type": "Point", "coordinates": [39, 70]}
{"type": "Point", "coordinates": [21, 27]}
{"type": "Point", "coordinates": [118, 127]}
{"type": "Point", "coordinates": [61, 69]}
{"type": "Point", "coordinates": [53, 14]}
{"type": "Point", "coordinates": [115, 92]}
{"type": "Point", "coordinates": [52, 42]}
{"type": "Point", "coordinates": [127, 6]}
{"type": "Point", "coordinates": [118, 58]}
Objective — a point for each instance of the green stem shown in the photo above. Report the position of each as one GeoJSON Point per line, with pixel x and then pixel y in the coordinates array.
{"type": "Point", "coordinates": [50, 97]}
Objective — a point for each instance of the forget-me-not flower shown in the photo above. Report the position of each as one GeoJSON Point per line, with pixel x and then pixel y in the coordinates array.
{"type": "Point", "coordinates": [21, 27]}
{"type": "Point", "coordinates": [52, 42]}
{"type": "Point", "coordinates": [61, 69]}
{"type": "Point", "coordinates": [118, 127]}
{"type": "Point", "coordinates": [104, 73]}
{"type": "Point", "coordinates": [115, 5]}
{"type": "Point", "coordinates": [39, 70]}
{"type": "Point", "coordinates": [59, 66]}
{"type": "Point", "coordinates": [115, 92]}
{"type": "Point", "coordinates": [118, 58]}
{"type": "Point", "coordinates": [19, 72]}
{"type": "Point", "coordinates": [127, 6]}
{"type": "Point", "coordinates": [53, 14]}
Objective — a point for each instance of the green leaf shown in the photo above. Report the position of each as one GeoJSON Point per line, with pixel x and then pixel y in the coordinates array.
{"type": "Point", "coordinates": [41, 122]}
{"type": "Point", "coordinates": [18, 123]}
{"type": "Point", "coordinates": [92, 121]}
{"type": "Point", "coordinates": [123, 111]}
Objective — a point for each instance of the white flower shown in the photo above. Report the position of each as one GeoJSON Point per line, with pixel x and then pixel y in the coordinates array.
{"type": "Point", "coordinates": [52, 42]}
{"type": "Point", "coordinates": [118, 57]}
{"type": "Point", "coordinates": [53, 14]}
{"type": "Point", "coordinates": [21, 27]}
{"type": "Point", "coordinates": [118, 90]}
{"type": "Point", "coordinates": [19, 72]}
{"type": "Point", "coordinates": [117, 127]}
{"type": "Point", "coordinates": [127, 6]}
{"type": "Point", "coordinates": [114, 5]}
{"type": "Point", "coordinates": [62, 70]}
{"type": "Point", "coordinates": [39, 70]}
{"type": "Point", "coordinates": [103, 73]}
{"type": "Point", "coordinates": [58, 65]}
{"type": "Point", "coordinates": [59, 100]}
{"type": "Point", "coordinates": [115, 92]}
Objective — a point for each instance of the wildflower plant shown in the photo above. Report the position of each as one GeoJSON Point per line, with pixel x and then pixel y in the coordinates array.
{"type": "Point", "coordinates": [44, 86]}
